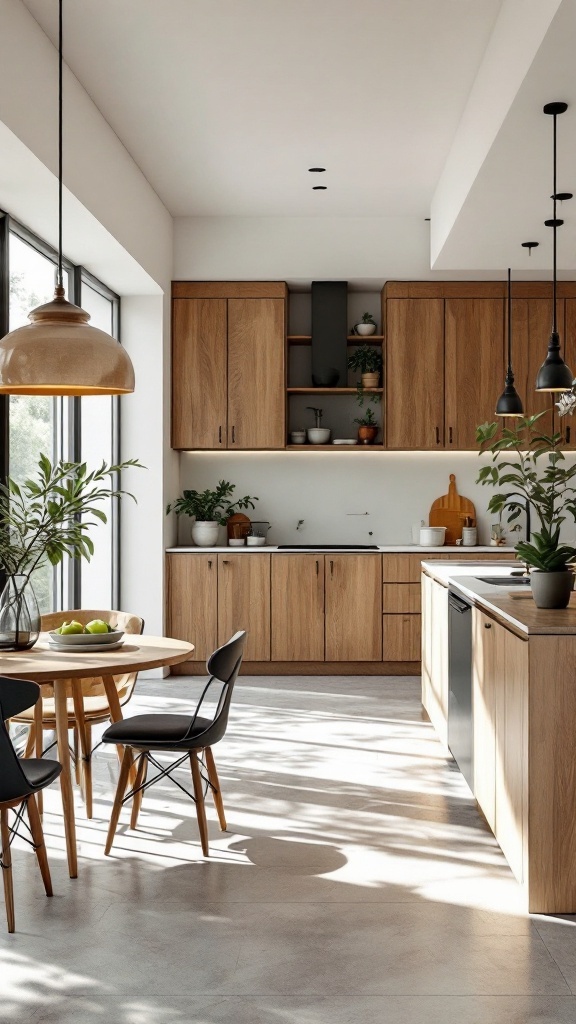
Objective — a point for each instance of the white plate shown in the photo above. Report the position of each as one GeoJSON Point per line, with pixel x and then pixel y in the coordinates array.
{"type": "Point", "coordinates": [89, 640]}
{"type": "Point", "coordinates": [345, 440]}
{"type": "Point", "coordinates": [86, 649]}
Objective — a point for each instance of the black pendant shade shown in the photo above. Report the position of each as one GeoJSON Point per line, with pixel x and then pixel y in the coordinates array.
{"type": "Point", "coordinates": [554, 375]}
{"type": "Point", "coordinates": [509, 403]}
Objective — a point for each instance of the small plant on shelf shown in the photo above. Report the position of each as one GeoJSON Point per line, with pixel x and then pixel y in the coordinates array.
{"type": "Point", "coordinates": [366, 359]}
{"type": "Point", "coordinates": [366, 325]}
{"type": "Point", "coordinates": [367, 427]}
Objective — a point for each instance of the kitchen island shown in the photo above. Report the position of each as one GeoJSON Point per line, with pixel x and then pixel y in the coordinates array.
{"type": "Point", "coordinates": [523, 679]}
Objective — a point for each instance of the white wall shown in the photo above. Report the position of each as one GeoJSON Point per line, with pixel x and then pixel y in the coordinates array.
{"type": "Point", "coordinates": [324, 489]}
{"type": "Point", "coordinates": [116, 226]}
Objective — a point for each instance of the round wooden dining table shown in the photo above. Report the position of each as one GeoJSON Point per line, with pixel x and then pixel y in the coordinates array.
{"type": "Point", "coordinates": [65, 671]}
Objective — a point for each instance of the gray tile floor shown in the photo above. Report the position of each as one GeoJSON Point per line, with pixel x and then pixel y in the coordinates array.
{"type": "Point", "coordinates": [356, 883]}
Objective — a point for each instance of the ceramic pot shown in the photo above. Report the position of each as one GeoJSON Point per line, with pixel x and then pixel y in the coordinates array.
{"type": "Point", "coordinates": [551, 589]}
{"type": "Point", "coordinates": [326, 378]}
{"type": "Point", "coordinates": [367, 435]}
{"type": "Point", "coordinates": [365, 329]}
{"type": "Point", "coordinates": [19, 615]}
{"type": "Point", "coordinates": [370, 380]}
{"type": "Point", "coordinates": [205, 534]}
{"type": "Point", "coordinates": [318, 435]}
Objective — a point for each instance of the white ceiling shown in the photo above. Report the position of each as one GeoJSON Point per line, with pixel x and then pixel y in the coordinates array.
{"type": "Point", "coordinates": [225, 104]}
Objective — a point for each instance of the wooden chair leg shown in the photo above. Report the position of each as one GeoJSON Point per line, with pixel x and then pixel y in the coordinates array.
{"type": "Point", "coordinates": [7, 869]}
{"type": "Point", "coordinates": [199, 798]}
{"type": "Point", "coordinates": [40, 847]}
{"type": "Point", "coordinates": [39, 745]}
{"type": "Point", "coordinates": [120, 790]}
{"type": "Point", "coordinates": [83, 730]}
{"type": "Point", "coordinates": [215, 783]}
{"type": "Point", "coordinates": [140, 779]}
{"type": "Point", "coordinates": [30, 741]}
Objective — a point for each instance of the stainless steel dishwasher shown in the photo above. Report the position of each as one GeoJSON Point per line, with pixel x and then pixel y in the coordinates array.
{"type": "Point", "coordinates": [460, 722]}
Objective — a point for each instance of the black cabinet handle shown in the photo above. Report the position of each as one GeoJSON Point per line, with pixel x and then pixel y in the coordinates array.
{"type": "Point", "coordinates": [317, 566]}
{"type": "Point", "coordinates": [233, 435]}
{"type": "Point", "coordinates": [437, 435]}
{"type": "Point", "coordinates": [450, 435]}
{"type": "Point", "coordinates": [219, 435]}
{"type": "Point", "coordinates": [331, 568]}
{"type": "Point", "coordinates": [225, 561]}
{"type": "Point", "coordinates": [209, 563]}
{"type": "Point", "coordinates": [487, 625]}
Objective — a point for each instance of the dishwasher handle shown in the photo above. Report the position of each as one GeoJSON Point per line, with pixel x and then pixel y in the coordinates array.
{"type": "Point", "coordinates": [458, 604]}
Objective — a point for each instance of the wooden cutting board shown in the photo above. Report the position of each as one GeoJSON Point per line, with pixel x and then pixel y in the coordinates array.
{"type": "Point", "coordinates": [450, 511]}
{"type": "Point", "coordinates": [240, 518]}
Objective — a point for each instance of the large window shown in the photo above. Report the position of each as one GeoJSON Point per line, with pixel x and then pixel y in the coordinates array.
{"type": "Point", "coordinates": [73, 428]}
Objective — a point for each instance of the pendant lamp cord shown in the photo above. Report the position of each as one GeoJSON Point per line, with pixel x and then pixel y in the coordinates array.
{"type": "Point", "coordinates": [59, 277]}
{"type": "Point", "coordinates": [509, 327]}
{"type": "Point", "coordinates": [554, 193]}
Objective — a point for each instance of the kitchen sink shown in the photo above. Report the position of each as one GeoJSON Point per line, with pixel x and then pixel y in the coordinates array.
{"type": "Point", "coordinates": [505, 581]}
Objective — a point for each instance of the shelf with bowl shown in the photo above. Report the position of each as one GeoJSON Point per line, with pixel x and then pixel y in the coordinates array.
{"type": "Point", "coordinates": [332, 391]}
{"type": "Point", "coordinates": [335, 447]}
{"type": "Point", "coordinates": [352, 339]}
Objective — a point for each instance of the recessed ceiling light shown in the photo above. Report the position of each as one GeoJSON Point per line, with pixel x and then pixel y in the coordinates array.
{"type": "Point", "coordinates": [316, 169]}
{"type": "Point", "coordinates": [319, 188]}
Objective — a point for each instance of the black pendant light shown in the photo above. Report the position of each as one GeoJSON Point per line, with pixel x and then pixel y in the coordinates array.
{"type": "Point", "coordinates": [509, 403]}
{"type": "Point", "coordinates": [554, 375]}
{"type": "Point", "coordinates": [59, 352]}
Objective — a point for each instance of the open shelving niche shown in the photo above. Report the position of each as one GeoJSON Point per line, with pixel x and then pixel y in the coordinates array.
{"type": "Point", "coordinates": [339, 403]}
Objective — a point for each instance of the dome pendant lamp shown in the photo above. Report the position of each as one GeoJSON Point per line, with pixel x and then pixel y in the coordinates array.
{"type": "Point", "coordinates": [554, 375]}
{"type": "Point", "coordinates": [509, 403]}
{"type": "Point", "coordinates": [59, 353]}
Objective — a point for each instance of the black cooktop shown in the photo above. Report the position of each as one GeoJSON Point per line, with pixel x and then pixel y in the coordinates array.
{"type": "Point", "coordinates": [328, 547]}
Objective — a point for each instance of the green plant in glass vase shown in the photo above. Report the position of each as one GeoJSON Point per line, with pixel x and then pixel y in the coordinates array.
{"type": "Point", "coordinates": [529, 466]}
{"type": "Point", "coordinates": [42, 520]}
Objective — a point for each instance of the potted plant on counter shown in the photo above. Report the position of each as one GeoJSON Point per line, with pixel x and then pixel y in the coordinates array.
{"type": "Point", "coordinates": [529, 466]}
{"type": "Point", "coordinates": [210, 510]}
{"type": "Point", "coordinates": [367, 360]}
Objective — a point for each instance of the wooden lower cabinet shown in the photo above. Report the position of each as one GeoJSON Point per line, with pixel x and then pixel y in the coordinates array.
{"type": "Point", "coordinates": [401, 637]}
{"type": "Point", "coordinates": [244, 601]}
{"type": "Point", "coordinates": [435, 655]}
{"type": "Point", "coordinates": [353, 607]}
{"type": "Point", "coordinates": [485, 670]}
{"type": "Point", "coordinates": [192, 612]}
{"type": "Point", "coordinates": [297, 607]}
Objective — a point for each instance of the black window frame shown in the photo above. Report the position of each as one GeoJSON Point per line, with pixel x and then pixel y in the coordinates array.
{"type": "Point", "coordinates": [71, 422]}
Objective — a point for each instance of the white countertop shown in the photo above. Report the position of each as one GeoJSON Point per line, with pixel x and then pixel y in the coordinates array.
{"type": "Point", "coordinates": [412, 549]}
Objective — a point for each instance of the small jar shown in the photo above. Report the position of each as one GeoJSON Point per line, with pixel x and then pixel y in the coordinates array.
{"type": "Point", "coordinates": [298, 437]}
{"type": "Point", "coordinates": [469, 536]}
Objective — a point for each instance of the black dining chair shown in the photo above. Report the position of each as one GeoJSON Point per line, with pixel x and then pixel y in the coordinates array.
{"type": "Point", "coordinates": [187, 735]}
{"type": "Point", "coordinates": [20, 779]}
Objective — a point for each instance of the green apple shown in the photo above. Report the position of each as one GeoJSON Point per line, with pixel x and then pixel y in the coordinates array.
{"type": "Point", "coordinates": [71, 627]}
{"type": "Point", "coordinates": [97, 626]}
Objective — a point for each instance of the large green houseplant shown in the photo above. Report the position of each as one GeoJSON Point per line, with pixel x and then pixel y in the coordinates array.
{"type": "Point", "coordinates": [529, 466]}
{"type": "Point", "coordinates": [209, 509]}
{"type": "Point", "coordinates": [42, 520]}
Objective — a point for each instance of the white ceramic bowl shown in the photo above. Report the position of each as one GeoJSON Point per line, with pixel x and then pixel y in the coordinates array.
{"type": "Point", "coordinates": [365, 329]}
{"type": "Point", "coordinates": [432, 536]}
{"type": "Point", "coordinates": [298, 437]}
{"type": "Point", "coordinates": [236, 542]}
{"type": "Point", "coordinates": [318, 435]}
{"type": "Point", "coordinates": [256, 542]}
{"type": "Point", "coordinates": [86, 639]}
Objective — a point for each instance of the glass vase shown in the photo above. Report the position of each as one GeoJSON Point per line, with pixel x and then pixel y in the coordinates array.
{"type": "Point", "coordinates": [19, 615]}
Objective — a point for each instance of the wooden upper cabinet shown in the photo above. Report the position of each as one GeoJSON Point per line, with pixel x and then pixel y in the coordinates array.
{"type": "Point", "coordinates": [192, 592]}
{"type": "Point", "coordinates": [568, 341]}
{"type": "Point", "coordinates": [297, 604]}
{"type": "Point", "coordinates": [244, 602]}
{"type": "Point", "coordinates": [531, 326]}
{"type": "Point", "coordinates": [256, 373]}
{"type": "Point", "coordinates": [353, 607]}
{"type": "Point", "coordinates": [474, 352]}
{"type": "Point", "coordinates": [199, 386]}
{"type": "Point", "coordinates": [414, 377]}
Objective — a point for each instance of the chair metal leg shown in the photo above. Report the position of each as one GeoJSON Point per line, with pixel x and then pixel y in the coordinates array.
{"type": "Point", "coordinates": [39, 845]}
{"type": "Point", "coordinates": [7, 869]}
{"type": "Point", "coordinates": [140, 779]}
{"type": "Point", "coordinates": [199, 798]}
{"type": "Point", "coordinates": [120, 791]}
{"type": "Point", "coordinates": [39, 743]}
{"type": "Point", "coordinates": [215, 785]}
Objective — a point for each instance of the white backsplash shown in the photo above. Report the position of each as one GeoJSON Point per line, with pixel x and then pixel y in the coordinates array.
{"type": "Point", "coordinates": [332, 491]}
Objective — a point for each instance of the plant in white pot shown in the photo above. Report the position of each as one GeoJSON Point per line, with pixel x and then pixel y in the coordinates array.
{"type": "Point", "coordinates": [366, 326]}
{"type": "Point", "coordinates": [538, 474]}
{"type": "Point", "coordinates": [210, 510]}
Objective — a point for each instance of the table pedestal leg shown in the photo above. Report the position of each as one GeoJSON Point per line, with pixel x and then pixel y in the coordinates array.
{"type": "Point", "coordinates": [61, 715]}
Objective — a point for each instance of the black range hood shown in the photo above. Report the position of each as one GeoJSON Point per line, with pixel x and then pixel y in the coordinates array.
{"type": "Point", "coordinates": [329, 333]}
